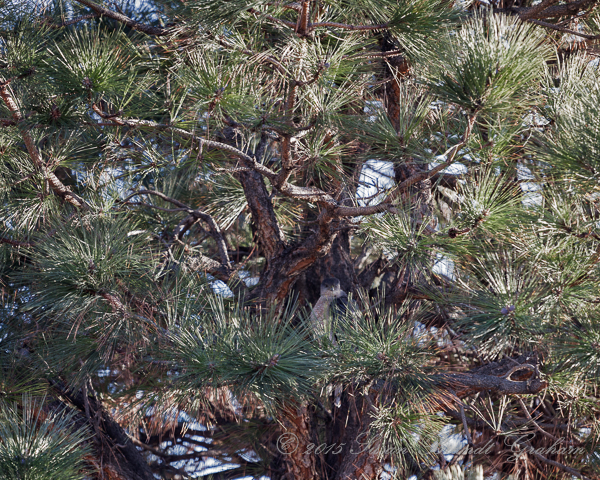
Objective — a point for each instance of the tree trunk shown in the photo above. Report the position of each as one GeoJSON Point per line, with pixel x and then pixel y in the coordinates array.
{"type": "Point", "coordinates": [351, 430]}
{"type": "Point", "coordinates": [294, 443]}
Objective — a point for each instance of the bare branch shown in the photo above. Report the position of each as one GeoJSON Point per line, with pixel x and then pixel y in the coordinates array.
{"type": "Point", "coordinates": [162, 209]}
{"type": "Point", "coordinates": [565, 9]}
{"type": "Point", "coordinates": [563, 29]}
{"type": "Point", "coordinates": [393, 53]}
{"type": "Point", "coordinates": [477, 383]}
{"type": "Point", "coordinates": [536, 9]}
{"type": "Point", "coordinates": [136, 123]}
{"type": "Point", "coordinates": [532, 451]}
{"type": "Point", "coordinates": [214, 228]}
{"type": "Point", "coordinates": [309, 194]}
{"type": "Point", "coordinates": [533, 422]}
{"type": "Point", "coordinates": [50, 22]}
{"type": "Point", "coordinates": [15, 243]}
{"type": "Point", "coordinates": [119, 17]}
{"type": "Point", "coordinates": [568, 9]}
{"type": "Point", "coordinates": [57, 186]}
{"type": "Point", "coordinates": [301, 26]}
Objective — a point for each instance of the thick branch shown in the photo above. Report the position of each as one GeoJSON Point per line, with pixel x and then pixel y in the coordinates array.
{"type": "Point", "coordinates": [268, 233]}
{"type": "Point", "coordinates": [471, 383]}
{"type": "Point", "coordinates": [296, 259]}
{"type": "Point", "coordinates": [553, 11]}
{"type": "Point", "coordinates": [536, 9]}
{"type": "Point", "coordinates": [497, 377]}
{"type": "Point", "coordinates": [15, 243]}
{"type": "Point", "coordinates": [301, 27]}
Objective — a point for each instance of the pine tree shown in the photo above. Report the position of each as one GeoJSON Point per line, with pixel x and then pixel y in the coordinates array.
{"type": "Point", "coordinates": [178, 177]}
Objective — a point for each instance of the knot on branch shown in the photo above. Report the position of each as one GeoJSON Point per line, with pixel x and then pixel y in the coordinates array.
{"type": "Point", "coordinates": [507, 366]}
{"type": "Point", "coordinates": [516, 376]}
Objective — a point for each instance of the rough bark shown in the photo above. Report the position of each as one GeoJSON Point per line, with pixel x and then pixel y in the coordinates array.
{"type": "Point", "coordinates": [286, 268]}
{"type": "Point", "coordinates": [351, 430]}
{"type": "Point", "coordinates": [295, 442]}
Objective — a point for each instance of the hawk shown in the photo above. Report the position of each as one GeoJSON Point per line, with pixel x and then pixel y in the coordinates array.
{"type": "Point", "coordinates": [333, 301]}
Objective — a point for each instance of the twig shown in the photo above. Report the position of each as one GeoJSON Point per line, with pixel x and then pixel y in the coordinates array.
{"type": "Point", "coordinates": [534, 423]}
{"type": "Point", "coordinates": [52, 24]}
{"type": "Point", "coordinates": [463, 418]}
{"type": "Point", "coordinates": [346, 26]}
{"type": "Point", "coordinates": [162, 209]}
{"type": "Point", "coordinates": [287, 23]}
{"type": "Point", "coordinates": [532, 451]}
{"type": "Point", "coordinates": [15, 243]}
{"type": "Point", "coordinates": [393, 53]}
